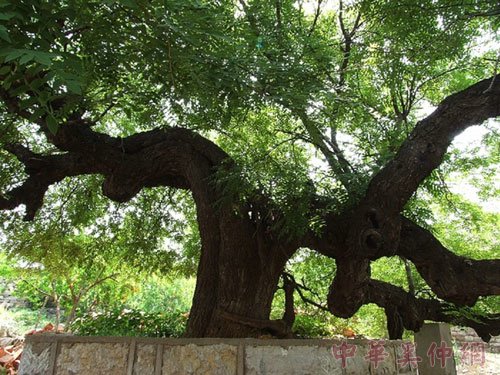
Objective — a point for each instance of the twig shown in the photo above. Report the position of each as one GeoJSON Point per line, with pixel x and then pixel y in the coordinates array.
{"type": "Point", "coordinates": [316, 17]}
{"type": "Point", "coordinates": [299, 288]}
{"type": "Point", "coordinates": [495, 74]}
{"type": "Point", "coordinates": [104, 113]}
{"type": "Point", "coordinates": [37, 289]}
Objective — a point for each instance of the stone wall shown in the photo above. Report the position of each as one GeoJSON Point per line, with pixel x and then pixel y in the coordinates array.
{"type": "Point", "coordinates": [7, 298]}
{"type": "Point", "coordinates": [465, 335]}
{"type": "Point", "coordinates": [72, 355]}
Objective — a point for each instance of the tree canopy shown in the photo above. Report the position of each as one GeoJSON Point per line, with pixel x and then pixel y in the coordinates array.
{"type": "Point", "coordinates": [220, 137]}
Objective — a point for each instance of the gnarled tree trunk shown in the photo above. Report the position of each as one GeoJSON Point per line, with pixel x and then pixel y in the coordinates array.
{"type": "Point", "coordinates": [238, 273]}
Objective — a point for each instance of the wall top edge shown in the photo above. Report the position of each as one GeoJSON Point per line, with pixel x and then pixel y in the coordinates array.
{"type": "Point", "coordinates": [64, 338]}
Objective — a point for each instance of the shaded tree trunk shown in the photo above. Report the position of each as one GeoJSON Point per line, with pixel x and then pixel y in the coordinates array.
{"type": "Point", "coordinates": [237, 276]}
{"type": "Point", "coordinates": [240, 263]}
{"type": "Point", "coordinates": [240, 303]}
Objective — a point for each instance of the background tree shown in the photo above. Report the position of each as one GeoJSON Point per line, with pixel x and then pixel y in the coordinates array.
{"type": "Point", "coordinates": [65, 270]}
{"type": "Point", "coordinates": [291, 124]}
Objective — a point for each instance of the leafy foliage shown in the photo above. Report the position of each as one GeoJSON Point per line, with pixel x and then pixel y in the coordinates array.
{"type": "Point", "coordinates": [131, 323]}
{"type": "Point", "coordinates": [158, 308]}
{"type": "Point", "coordinates": [308, 103]}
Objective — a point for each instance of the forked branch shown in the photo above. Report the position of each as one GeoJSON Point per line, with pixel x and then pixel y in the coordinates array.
{"type": "Point", "coordinates": [424, 149]}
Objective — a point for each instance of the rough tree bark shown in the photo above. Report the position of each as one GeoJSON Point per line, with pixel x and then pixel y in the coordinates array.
{"type": "Point", "coordinates": [242, 258]}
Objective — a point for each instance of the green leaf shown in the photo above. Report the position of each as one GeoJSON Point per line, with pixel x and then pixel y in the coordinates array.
{"type": "Point", "coordinates": [37, 83]}
{"type": "Point", "coordinates": [6, 16]}
{"type": "Point", "coordinates": [14, 54]}
{"type": "Point", "coordinates": [5, 69]}
{"type": "Point", "coordinates": [129, 3]}
{"type": "Point", "coordinates": [28, 102]}
{"type": "Point", "coordinates": [74, 86]}
{"type": "Point", "coordinates": [34, 70]}
{"type": "Point", "coordinates": [52, 124]}
{"type": "Point", "coordinates": [39, 112]}
{"type": "Point", "coordinates": [4, 34]}
{"type": "Point", "coordinates": [43, 97]}
{"type": "Point", "coordinates": [27, 57]}
{"type": "Point", "coordinates": [19, 90]}
{"type": "Point", "coordinates": [43, 58]}
{"type": "Point", "coordinates": [7, 82]}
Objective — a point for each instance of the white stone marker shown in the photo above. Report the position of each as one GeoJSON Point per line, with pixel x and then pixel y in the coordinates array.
{"type": "Point", "coordinates": [435, 348]}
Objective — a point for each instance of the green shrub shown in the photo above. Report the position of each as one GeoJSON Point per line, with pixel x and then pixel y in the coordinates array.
{"type": "Point", "coordinates": [158, 308]}
{"type": "Point", "coordinates": [163, 295]}
{"type": "Point", "coordinates": [310, 326]}
{"type": "Point", "coordinates": [130, 322]}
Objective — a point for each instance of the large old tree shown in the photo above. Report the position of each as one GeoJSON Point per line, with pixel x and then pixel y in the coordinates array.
{"type": "Point", "coordinates": [291, 124]}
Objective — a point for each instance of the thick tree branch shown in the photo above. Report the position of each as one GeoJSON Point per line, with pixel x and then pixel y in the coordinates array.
{"type": "Point", "coordinates": [413, 311]}
{"type": "Point", "coordinates": [338, 165]}
{"type": "Point", "coordinates": [347, 43]}
{"type": "Point", "coordinates": [453, 278]}
{"type": "Point", "coordinates": [158, 157]}
{"type": "Point", "coordinates": [424, 149]}
{"type": "Point", "coordinates": [43, 171]}
{"type": "Point", "coordinates": [345, 48]}
{"type": "Point", "coordinates": [278, 328]}
{"type": "Point", "coordinates": [317, 13]}
{"type": "Point", "coordinates": [348, 289]}
{"type": "Point", "coordinates": [289, 286]}
{"type": "Point", "coordinates": [375, 224]}
{"type": "Point", "coordinates": [486, 13]}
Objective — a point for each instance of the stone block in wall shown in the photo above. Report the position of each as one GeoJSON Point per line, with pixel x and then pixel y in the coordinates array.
{"type": "Point", "coordinates": [92, 358]}
{"type": "Point", "coordinates": [432, 339]}
{"type": "Point", "coordinates": [145, 359]}
{"type": "Point", "coordinates": [359, 363]}
{"type": "Point", "coordinates": [277, 360]}
{"type": "Point", "coordinates": [408, 363]}
{"type": "Point", "coordinates": [386, 366]}
{"type": "Point", "coordinates": [220, 359]}
{"type": "Point", "coordinates": [36, 358]}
